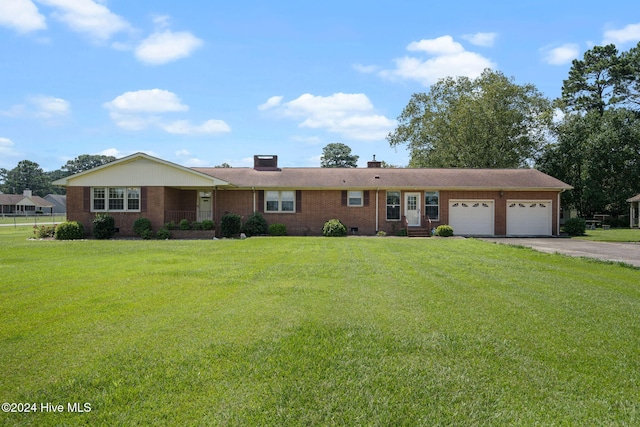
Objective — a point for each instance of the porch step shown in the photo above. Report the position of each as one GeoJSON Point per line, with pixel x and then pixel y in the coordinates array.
{"type": "Point", "coordinates": [418, 232]}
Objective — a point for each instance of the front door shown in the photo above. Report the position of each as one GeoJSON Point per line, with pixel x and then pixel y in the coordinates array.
{"type": "Point", "coordinates": [205, 210]}
{"type": "Point", "coordinates": [412, 209]}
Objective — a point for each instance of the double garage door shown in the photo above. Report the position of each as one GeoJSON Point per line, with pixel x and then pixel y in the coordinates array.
{"type": "Point", "coordinates": [477, 217]}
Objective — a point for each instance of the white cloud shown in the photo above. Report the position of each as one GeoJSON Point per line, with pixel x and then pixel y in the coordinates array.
{"type": "Point", "coordinates": [6, 145]}
{"type": "Point", "coordinates": [48, 107]}
{"type": "Point", "coordinates": [349, 115]}
{"type": "Point", "coordinates": [443, 45]}
{"type": "Point", "coordinates": [271, 102]}
{"type": "Point", "coordinates": [88, 17]}
{"type": "Point", "coordinates": [562, 54]}
{"type": "Point", "coordinates": [366, 69]}
{"type": "Point", "coordinates": [195, 162]}
{"type": "Point", "coordinates": [148, 101]}
{"type": "Point", "coordinates": [184, 127]}
{"type": "Point", "coordinates": [629, 33]}
{"type": "Point", "coordinates": [41, 107]}
{"type": "Point", "coordinates": [21, 15]}
{"type": "Point", "coordinates": [182, 152]}
{"type": "Point", "coordinates": [167, 46]}
{"type": "Point", "coordinates": [448, 58]}
{"type": "Point", "coordinates": [142, 109]}
{"type": "Point", "coordinates": [481, 39]}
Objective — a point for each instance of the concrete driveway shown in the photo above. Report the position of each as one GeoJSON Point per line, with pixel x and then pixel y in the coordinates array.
{"type": "Point", "coordinates": [621, 252]}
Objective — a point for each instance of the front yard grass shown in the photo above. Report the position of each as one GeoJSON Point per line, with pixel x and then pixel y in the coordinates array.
{"type": "Point", "coordinates": [612, 235]}
{"type": "Point", "coordinates": [315, 331]}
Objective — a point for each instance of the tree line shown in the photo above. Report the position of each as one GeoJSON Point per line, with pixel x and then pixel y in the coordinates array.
{"type": "Point", "coordinates": [29, 175]}
{"type": "Point", "coordinates": [588, 138]}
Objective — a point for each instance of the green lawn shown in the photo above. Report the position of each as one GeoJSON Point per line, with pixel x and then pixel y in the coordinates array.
{"type": "Point", "coordinates": [32, 220]}
{"type": "Point", "coordinates": [612, 235]}
{"type": "Point", "coordinates": [315, 331]}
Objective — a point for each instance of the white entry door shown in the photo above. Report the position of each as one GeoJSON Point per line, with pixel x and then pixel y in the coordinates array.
{"type": "Point", "coordinates": [205, 210]}
{"type": "Point", "coordinates": [412, 209]}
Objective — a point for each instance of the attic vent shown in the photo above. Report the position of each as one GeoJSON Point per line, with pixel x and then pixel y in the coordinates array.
{"type": "Point", "coordinates": [265, 163]}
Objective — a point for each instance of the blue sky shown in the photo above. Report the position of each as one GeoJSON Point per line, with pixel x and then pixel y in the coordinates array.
{"type": "Point", "coordinates": [200, 83]}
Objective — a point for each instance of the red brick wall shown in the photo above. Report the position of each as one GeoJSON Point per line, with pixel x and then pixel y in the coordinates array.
{"type": "Point", "coordinates": [317, 207]}
{"type": "Point", "coordinates": [155, 202]}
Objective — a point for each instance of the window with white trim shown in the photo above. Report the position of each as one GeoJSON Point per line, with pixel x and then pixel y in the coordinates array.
{"type": "Point", "coordinates": [355, 198]}
{"type": "Point", "coordinates": [115, 199]}
{"type": "Point", "coordinates": [393, 205]}
{"type": "Point", "coordinates": [280, 201]}
{"type": "Point", "coordinates": [432, 205]}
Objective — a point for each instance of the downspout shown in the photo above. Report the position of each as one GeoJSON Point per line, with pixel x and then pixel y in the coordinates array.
{"type": "Point", "coordinates": [377, 212]}
{"type": "Point", "coordinates": [254, 200]}
{"type": "Point", "coordinates": [215, 204]}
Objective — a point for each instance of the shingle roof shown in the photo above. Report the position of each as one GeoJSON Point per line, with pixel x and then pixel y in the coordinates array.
{"type": "Point", "coordinates": [336, 178]}
{"type": "Point", "coordinates": [14, 199]}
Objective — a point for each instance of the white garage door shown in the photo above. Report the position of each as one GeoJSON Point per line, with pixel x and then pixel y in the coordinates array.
{"type": "Point", "coordinates": [529, 217]}
{"type": "Point", "coordinates": [471, 217]}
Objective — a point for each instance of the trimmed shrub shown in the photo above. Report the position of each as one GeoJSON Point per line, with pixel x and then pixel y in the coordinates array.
{"type": "Point", "coordinates": [381, 233]}
{"type": "Point", "coordinates": [141, 226]}
{"type": "Point", "coordinates": [196, 226]}
{"type": "Point", "coordinates": [575, 226]}
{"type": "Point", "coordinates": [171, 225]}
{"type": "Point", "coordinates": [147, 234]}
{"type": "Point", "coordinates": [69, 230]}
{"type": "Point", "coordinates": [230, 225]}
{"type": "Point", "coordinates": [334, 228]}
{"type": "Point", "coordinates": [207, 224]}
{"type": "Point", "coordinates": [104, 226]}
{"type": "Point", "coordinates": [184, 224]}
{"type": "Point", "coordinates": [277, 230]}
{"type": "Point", "coordinates": [44, 231]}
{"type": "Point", "coordinates": [163, 234]}
{"type": "Point", "coordinates": [444, 230]}
{"type": "Point", "coordinates": [255, 225]}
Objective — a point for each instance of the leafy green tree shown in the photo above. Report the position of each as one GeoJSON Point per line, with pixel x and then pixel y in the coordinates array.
{"type": "Point", "coordinates": [27, 175]}
{"type": "Point", "coordinates": [85, 162]}
{"type": "Point", "coordinates": [600, 157]}
{"type": "Point", "coordinates": [631, 90]}
{"type": "Point", "coordinates": [595, 81]}
{"type": "Point", "coordinates": [488, 122]}
{"type": "Point", "coordinates": [338, 155]}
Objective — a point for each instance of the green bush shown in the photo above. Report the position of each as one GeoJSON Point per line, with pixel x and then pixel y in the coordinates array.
{"type": "Point", "coordinates": [147, 234]}
{"type": "Point", "coordinates": [163, 234]}
{"type": "Point", "coordinates": [44, 231]}
{"type": "Point", "coordinates": [444, 230]}
{"type": "Point", "coordinates": [207, 224]}
{"type": "Point", "coordinates": [171, 225]}
{"type": "Point", "coordinates": [277, 230]}
{"type": "Point", "coordinates": [196, 226]}
{"type": "Point", "coordinates": [184, 225]}
{"type": "Point", "coordinates": [334, 228]}
{"type": "Point", "coordinates": [230, 225]}
{"type": "Point", "coordinates": [141, 226]}
{"type": "Point", "coordinates": [255, 225]}
{"type": "Point", "coordinates": [104, 226]}
{"type": "Point", "coordinates": [575, 226]}
{"type": "Point", "coordinates": [69, 230]}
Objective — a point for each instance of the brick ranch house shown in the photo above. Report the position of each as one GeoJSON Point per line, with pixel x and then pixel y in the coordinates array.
{"type": "Point", "coordinates": [475, 202]}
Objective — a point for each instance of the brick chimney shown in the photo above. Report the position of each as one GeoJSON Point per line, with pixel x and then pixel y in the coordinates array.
{"type": "Point", "coordinates": [265, 163]}
{"type": "Point", "coordinates": [374, 163]}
